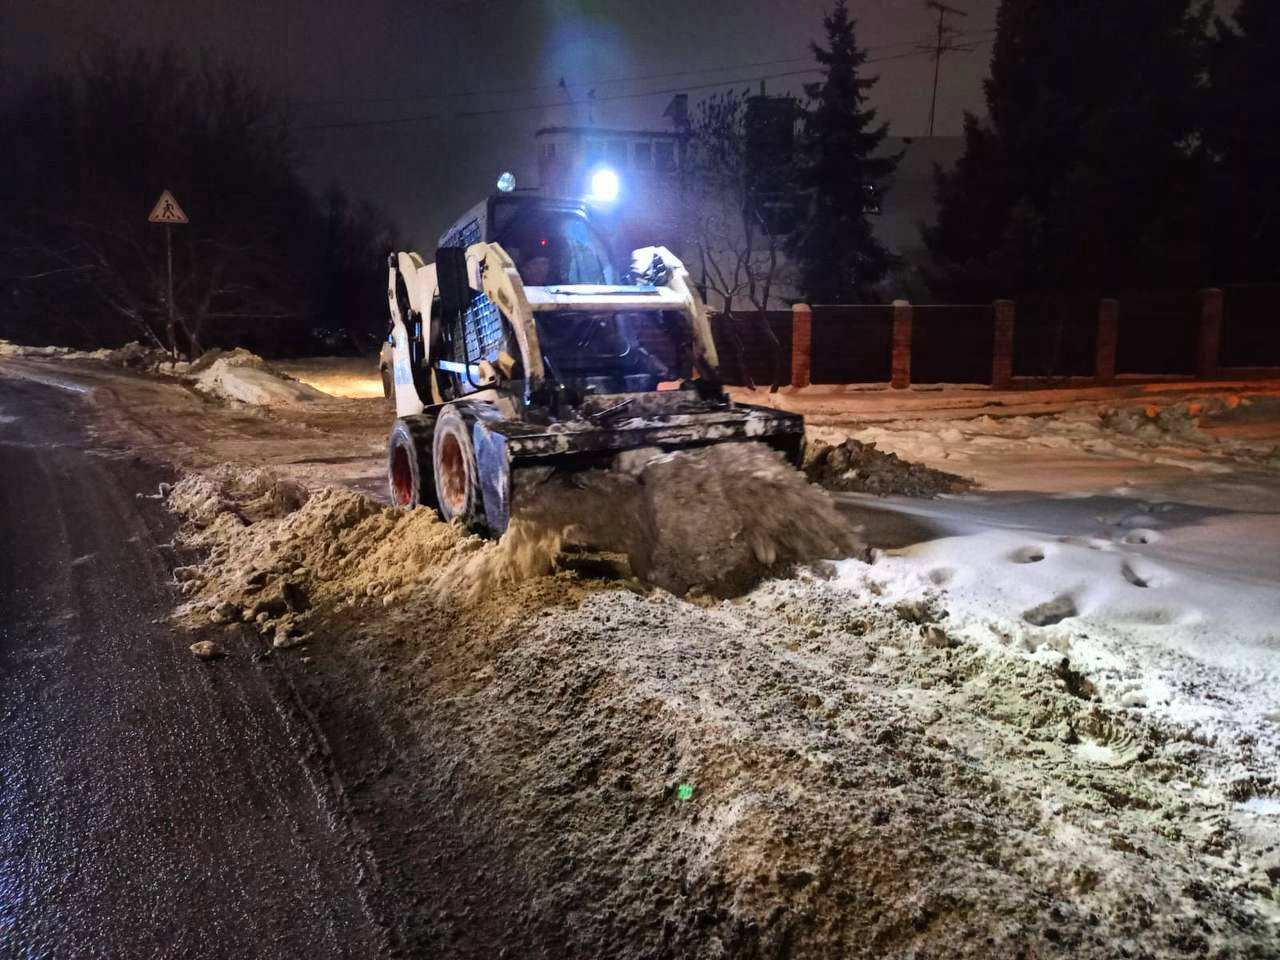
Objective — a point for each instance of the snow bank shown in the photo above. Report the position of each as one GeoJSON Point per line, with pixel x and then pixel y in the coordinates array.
{"type": "Point", "coordinates": [815, 765]}
{"type": "Point", "coordinates": [1087, 448]}
{"type": "Point", "coordinates": [355, 378]}
{"type": "Point", "coordinates": [246, 378]}
{"type": "Point", "coordinates": [1138, 630]}
{"type": "Point", "coordinates": [132, 354]}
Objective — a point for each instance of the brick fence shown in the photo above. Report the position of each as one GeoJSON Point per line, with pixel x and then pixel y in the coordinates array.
{"type": "Point", "coordinates": [1209, 333]}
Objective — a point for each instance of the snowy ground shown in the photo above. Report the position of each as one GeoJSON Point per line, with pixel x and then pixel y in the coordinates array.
{"type": "Point", "coordinates": [353, 377]}
{"type": "Point", "coordinates": [1044, 720]}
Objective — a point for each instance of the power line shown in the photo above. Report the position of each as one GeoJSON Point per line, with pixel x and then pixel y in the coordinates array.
{"type": "Point", "coordinates": [468, 114]}
{"type": "Point", "coordinates": [414, 98]}
{"type": "Point", "coordinates": [472, 114]}
{"type": "Point", "coordinates": [549, 86]}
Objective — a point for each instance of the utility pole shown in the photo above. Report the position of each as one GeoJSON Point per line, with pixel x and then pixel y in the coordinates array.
{"type": "Point", "coordinates": [943, 44]}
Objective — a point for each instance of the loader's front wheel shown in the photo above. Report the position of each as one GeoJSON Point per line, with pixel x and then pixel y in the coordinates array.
{"type": "Point", "coordinates": [456, 475]}
{"type": "Point", "coordinates": [410, 477]}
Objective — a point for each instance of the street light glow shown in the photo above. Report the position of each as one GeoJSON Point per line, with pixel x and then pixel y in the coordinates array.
{"type": "Point", "coordinates": [604, 186]}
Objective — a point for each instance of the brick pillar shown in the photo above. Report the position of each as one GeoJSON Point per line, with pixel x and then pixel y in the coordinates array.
{"type": "Point", "coordinates": [1104, 356]}
{"type": "Point", "coordinates": [1210, 338]}
{"type": "Point", "coordinates": [1002, 348]}
{"type": "Point", "coordinates": [801, 344]}
{"type": "Point", "coordinates": [901, 365]}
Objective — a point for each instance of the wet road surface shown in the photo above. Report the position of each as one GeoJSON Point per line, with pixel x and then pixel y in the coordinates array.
{"type": "Point", "coordinates": [151, 805]}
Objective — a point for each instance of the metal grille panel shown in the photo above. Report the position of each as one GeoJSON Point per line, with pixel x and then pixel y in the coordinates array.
{"type": "Point", "coordinates": [483, 325]}
{"type": "Point", "coordinates": [464, 236]}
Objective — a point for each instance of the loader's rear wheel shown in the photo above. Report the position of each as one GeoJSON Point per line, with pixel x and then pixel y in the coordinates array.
{"type": "Point", "coordinates": [410, 477]}
{"type": "Point", "coordinates": [457, 478]}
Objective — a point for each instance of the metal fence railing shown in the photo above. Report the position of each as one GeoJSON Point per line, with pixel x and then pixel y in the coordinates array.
{"type": "Point", "coordinates": [851, 344]}
{"type": "Point", "coordinates": [952, 344]}
{"type": "Point", "coordinates": [1044, 337]}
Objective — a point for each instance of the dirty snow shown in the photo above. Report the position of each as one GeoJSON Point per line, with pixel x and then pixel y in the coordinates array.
{"type": "Point", "coordinates": [246, 378]}
{"type": "Point", "coordinates": [711, 521]}
{"type": "Point", "coordinates": [1153, 635]}
{"type": "Point", "coordinates": [132, 354]}
{"type": "Point", "coordinates": [355, 378]}
{"type": "Point", "coordinates": [1084, 447]}
{"type": "Point", "coordinates": [1040, 723]}
{"type": "Point", "coordinates": [854, 466]}
{"type": "Point", "coordinates": [878, 761]}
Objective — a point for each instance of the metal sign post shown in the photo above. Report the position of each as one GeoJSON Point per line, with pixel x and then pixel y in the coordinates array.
{"type": "Point", "coordinates": [168, 212]}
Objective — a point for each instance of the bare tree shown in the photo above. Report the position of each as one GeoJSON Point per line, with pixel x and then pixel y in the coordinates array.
{"type": "Point", "coordinates": [739, 247]}
{"type": "Point", "coordinates": [93, 156]}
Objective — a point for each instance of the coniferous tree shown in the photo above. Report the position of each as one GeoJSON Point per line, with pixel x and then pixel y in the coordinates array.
{"type": "Point", "coordinates": [840, 174]}
{"type": "Point", "coordinates": [1083, 175]}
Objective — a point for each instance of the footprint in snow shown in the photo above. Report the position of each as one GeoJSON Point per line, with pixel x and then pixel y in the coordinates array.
{"type": "Point", "coordinates": [1092, 543]}
{"type": "Point", "coordinates": [940, 576]}
{"type": "Point", "coordinates": [1053, 611]}
{"type": "Point", "coordinates": [1141, 537]}
{"type": "Point", "coordinates": [1155, 617]}
{"type": "Point", "coordinates": [1141, 574]}
{"type": "Point", "coordinates": [1027, 555]}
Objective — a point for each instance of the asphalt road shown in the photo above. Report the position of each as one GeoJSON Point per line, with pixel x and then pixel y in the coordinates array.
{"type": "Point", "coordinates": [151, 805]}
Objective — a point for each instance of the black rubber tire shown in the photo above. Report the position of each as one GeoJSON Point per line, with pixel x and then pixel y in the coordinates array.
{"type": "Point", "coordinates": [388, 385]}
{"type": "Point", "coordinates": [411, 479]}
{"type": "Point", "coordinates": [457, 479]}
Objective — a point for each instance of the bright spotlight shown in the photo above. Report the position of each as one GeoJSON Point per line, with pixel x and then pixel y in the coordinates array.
{"type": "Point", "coordinates": [604, 186]}
{"type": "Point", "coordinates": [507, 182]}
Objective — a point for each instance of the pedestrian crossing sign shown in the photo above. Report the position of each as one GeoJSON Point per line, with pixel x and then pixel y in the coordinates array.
{"type": "Point", "coordinates": [167, 210]}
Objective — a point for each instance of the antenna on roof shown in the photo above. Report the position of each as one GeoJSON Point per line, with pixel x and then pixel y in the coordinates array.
{"type": "Point", "coordinates": [944, 43]}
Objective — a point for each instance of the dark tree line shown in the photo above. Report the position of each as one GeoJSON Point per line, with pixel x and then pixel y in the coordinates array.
{"type": "Point", "coordinates": [262, 262]}
{"type": "Point", "coordinates": [1127, 144]}
{"type": "Point", "coordinates": [782, 191]}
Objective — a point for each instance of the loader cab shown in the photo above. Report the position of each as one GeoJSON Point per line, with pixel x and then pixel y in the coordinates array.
{"type": "Point", "coordinates": [551, 241]}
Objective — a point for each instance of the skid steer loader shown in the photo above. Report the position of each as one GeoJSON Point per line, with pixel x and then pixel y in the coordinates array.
{"type": "Point", "coordinates": [520, 352]}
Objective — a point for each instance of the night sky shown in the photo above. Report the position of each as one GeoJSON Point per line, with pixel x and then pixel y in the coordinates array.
{"type": "Point", "coordinates": [344, 65]}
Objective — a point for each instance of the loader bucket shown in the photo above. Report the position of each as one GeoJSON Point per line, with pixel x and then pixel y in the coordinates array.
{"type": "Point", "coordinates": [504, 447]}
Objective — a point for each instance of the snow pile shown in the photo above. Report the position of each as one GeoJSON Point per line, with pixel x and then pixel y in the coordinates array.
{"type": "Point", "coordinates": [856, 467]}
{"type": "Point", "coordinates": [822, 769]}
{"type": "Point", "coordinates": [1083, 448]}
{"type": "Point", "coordinates": [1142, 634]}
{"type": "Point", "coordinates": [709, 521]}
{"type": "Point", "coordinates": [713, 521]}
{"type": "Point", "coordinates": [244, 377]}
{"type": "Point", "coordinates": [133, 354]}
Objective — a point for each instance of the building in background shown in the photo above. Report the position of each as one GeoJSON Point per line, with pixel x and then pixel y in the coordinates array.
{"type": "Point", "coordinates": [648, 163]}
{"type": "Point", "coordinates": [650, 166]}
{"type": "Point", "coordinates": [771, 123]}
